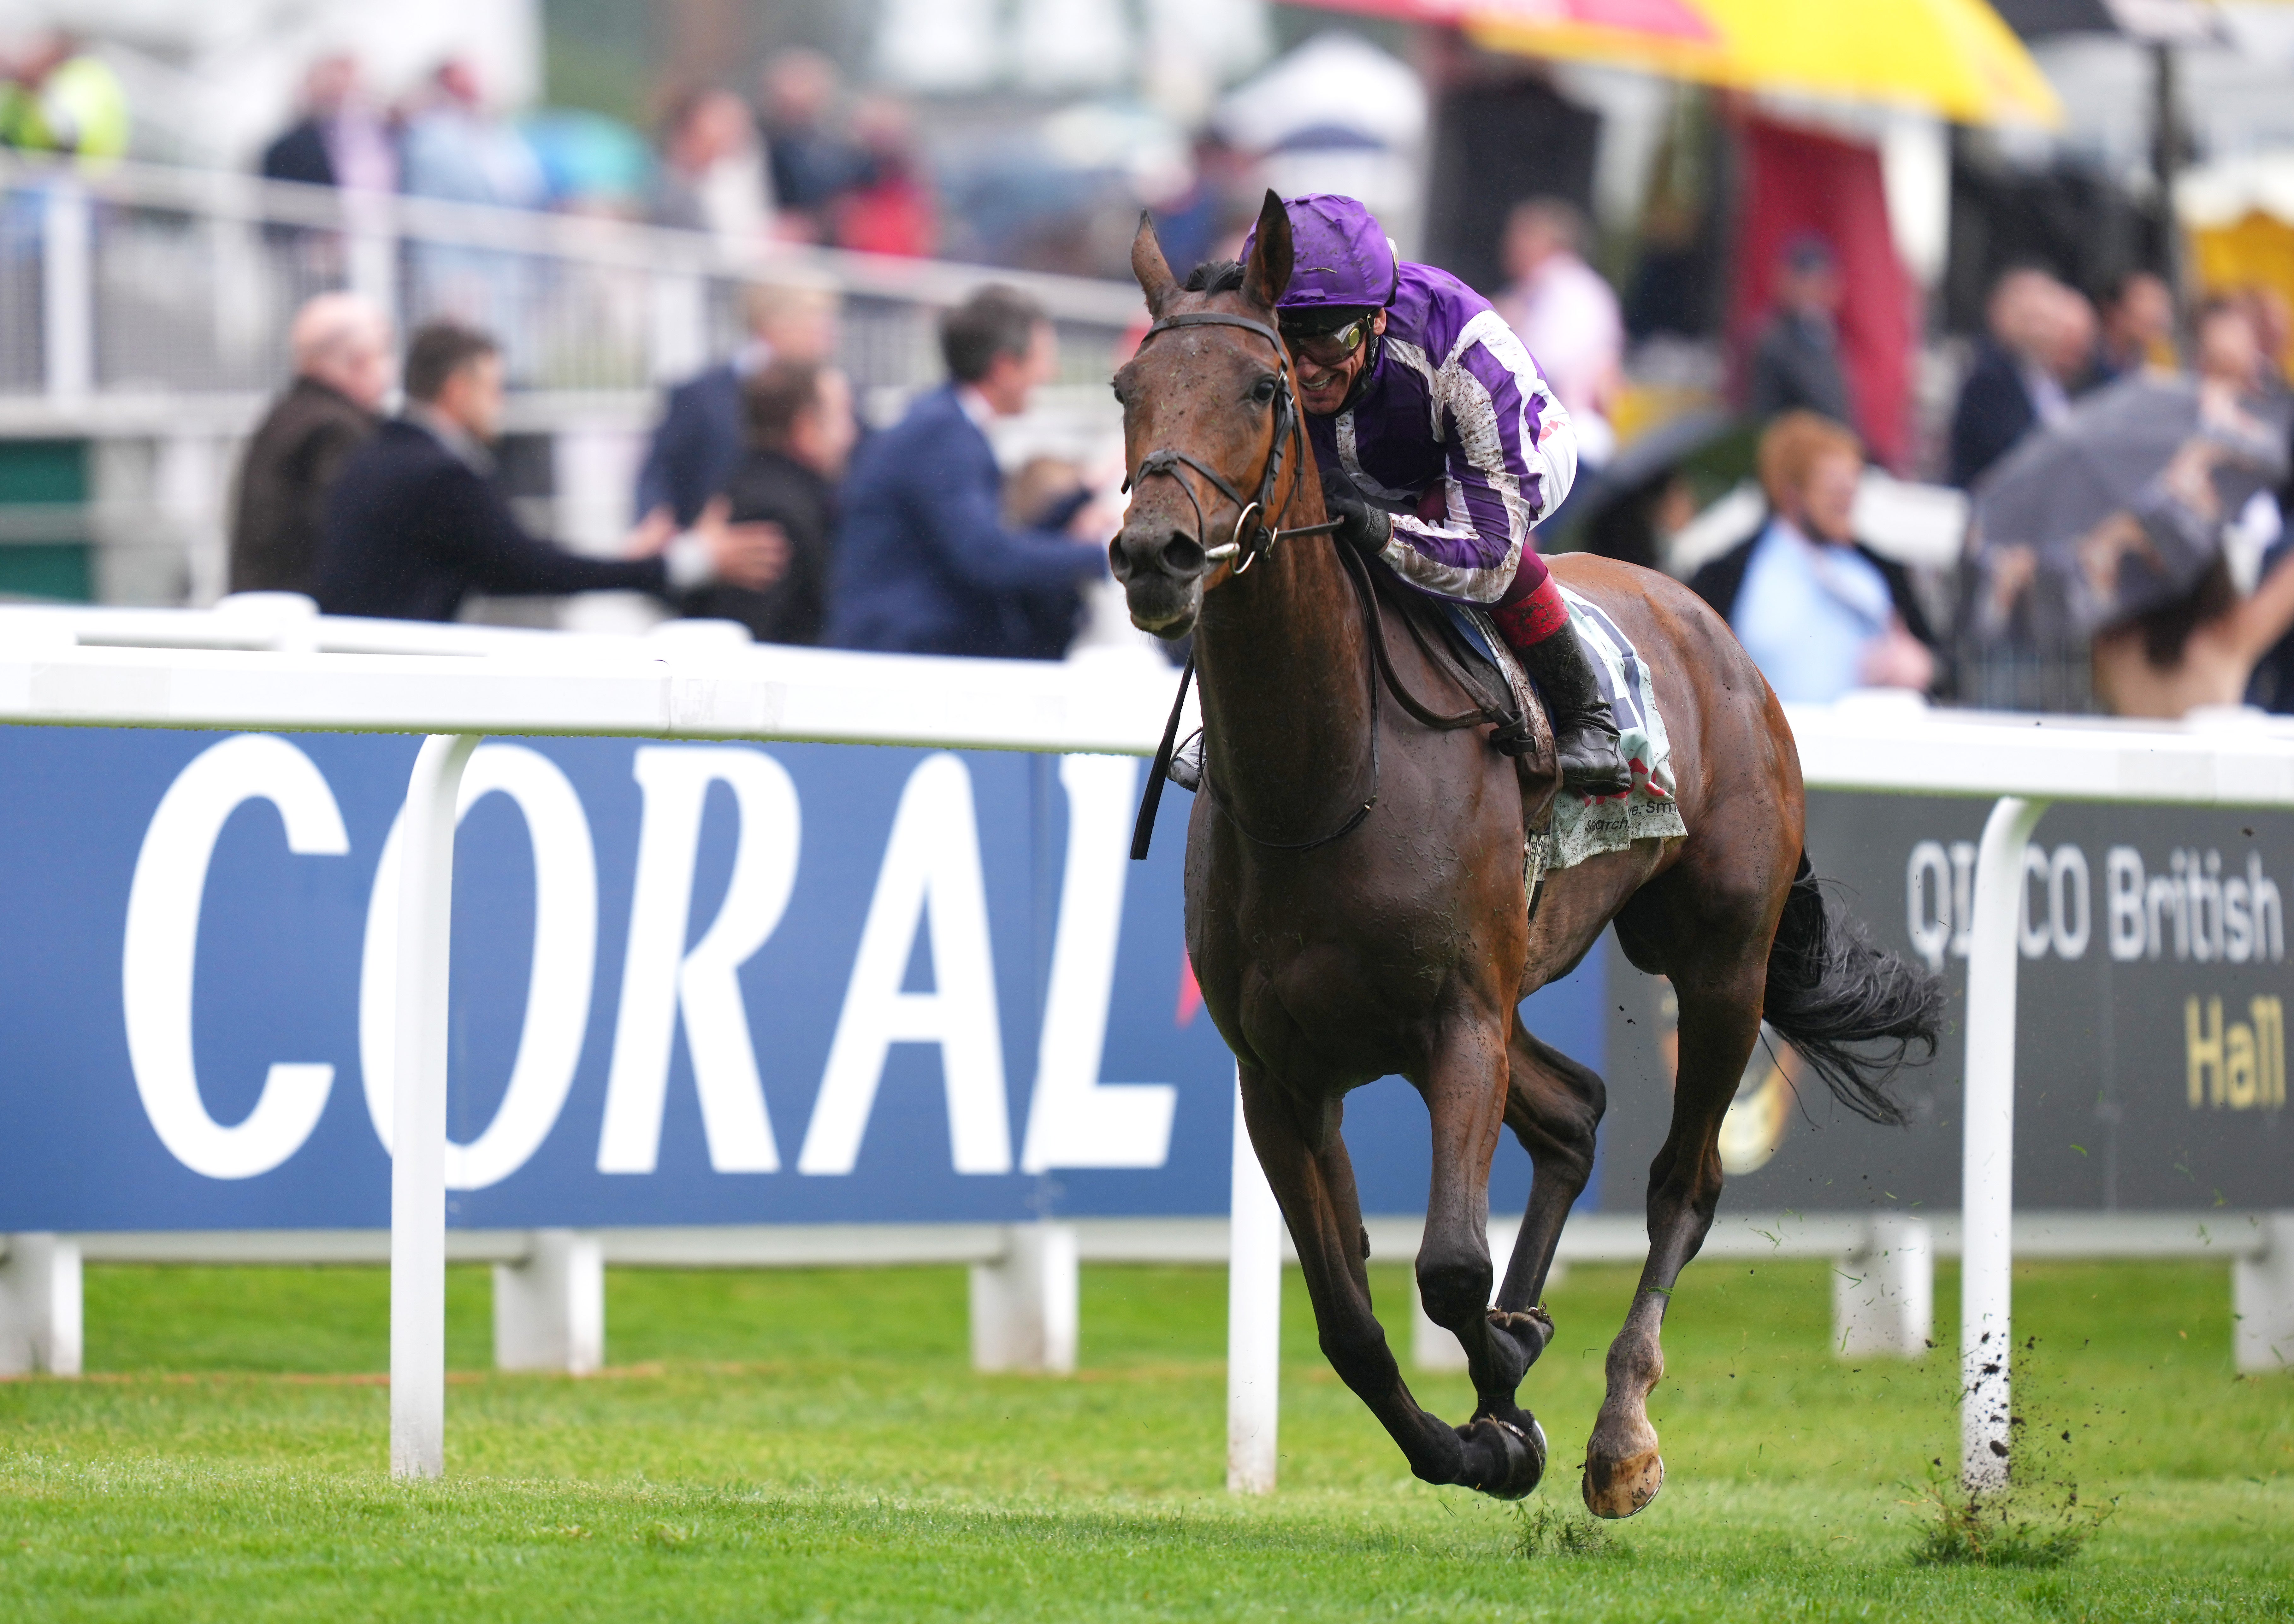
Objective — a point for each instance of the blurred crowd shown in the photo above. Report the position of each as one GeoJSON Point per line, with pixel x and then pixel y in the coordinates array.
{"type": "Point", "coordinates": [759, 500]}
{"type": "Point", "coordinates": [2125, 465]}
{"type": "Point", "coordinates": [2124, 458]}
{"type": "Point", "coordinates": [804, 162]}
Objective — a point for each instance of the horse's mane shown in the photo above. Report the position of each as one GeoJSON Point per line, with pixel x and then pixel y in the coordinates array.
{"type": "Point", "coordinates": [1215, 276]}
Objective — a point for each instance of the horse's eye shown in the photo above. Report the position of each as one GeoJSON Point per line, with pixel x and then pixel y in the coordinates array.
{"type": "Point", "coordinates": [1263, 391]}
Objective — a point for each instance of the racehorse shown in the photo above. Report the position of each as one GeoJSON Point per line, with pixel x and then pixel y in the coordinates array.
{"type": "Point", "coordinates": [1356, 902]}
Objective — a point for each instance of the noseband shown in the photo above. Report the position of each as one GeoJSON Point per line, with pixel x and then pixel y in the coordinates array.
{"type": "Point", "coordinates": [1262, 537]}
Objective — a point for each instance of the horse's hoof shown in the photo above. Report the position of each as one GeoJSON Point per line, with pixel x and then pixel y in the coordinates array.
{"type": "Point", "coordinates": [1521, 1456]}
{"type": "Point", "coordinates": [1615, 1488]}
{"type": "Point", "coordinates": [1528, 1330]}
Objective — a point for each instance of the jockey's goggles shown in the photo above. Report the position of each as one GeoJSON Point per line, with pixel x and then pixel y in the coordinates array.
{"type": "Point", "coordinates": [1328, 346]}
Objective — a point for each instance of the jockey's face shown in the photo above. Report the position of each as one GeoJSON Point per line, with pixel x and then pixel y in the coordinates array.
{"type": "Point", "coordinates": [1328, 366]}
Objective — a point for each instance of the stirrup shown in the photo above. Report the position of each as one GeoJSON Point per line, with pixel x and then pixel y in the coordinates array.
{"type": "Point", "coordinates": [1186, 768]}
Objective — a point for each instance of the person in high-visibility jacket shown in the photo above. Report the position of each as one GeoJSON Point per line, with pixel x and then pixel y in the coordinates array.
{"type": "Point", "coordinates": [59, 99]}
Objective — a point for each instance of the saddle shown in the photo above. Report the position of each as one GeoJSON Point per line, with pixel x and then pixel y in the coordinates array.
{"type": "Point", "coordinates": [1462, 642]}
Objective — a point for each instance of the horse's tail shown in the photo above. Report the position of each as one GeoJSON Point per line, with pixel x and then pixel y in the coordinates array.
{"type": "Point", "coordinates": [1853, 1010]}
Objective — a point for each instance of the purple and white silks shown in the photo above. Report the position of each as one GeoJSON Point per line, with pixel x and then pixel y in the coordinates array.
{"type": "Point", "coordinates": [1453, 399]}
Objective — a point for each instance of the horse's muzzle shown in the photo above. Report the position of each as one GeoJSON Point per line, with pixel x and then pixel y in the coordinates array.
{"type": "Point", "coordinates": [1152, 548]}
{"type": "Point", "coordinates": [1161, 568]}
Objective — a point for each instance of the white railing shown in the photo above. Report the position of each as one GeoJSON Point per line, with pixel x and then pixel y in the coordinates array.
{"type": "Point", "coordinates": [125, 285]}
{"type": "Point", "coordinates": [1111, 705]}
{"type": "Point", "coordinates": [2026, 762]}
{"type": "Point", "coordinates": [288, 623]}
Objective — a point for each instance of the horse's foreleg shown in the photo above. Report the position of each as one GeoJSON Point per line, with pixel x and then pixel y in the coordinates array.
{"type": "Point", "coordinates": [1720, 1021]}
{"type": "Point", "coordinates": [1313, 1183]}
{"type": "Point", "coordinates": [1553, 1105]}
{"type": "Point", "coordinates": [1465, 1089]}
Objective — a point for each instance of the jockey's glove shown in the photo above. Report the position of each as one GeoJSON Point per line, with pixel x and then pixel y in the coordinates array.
{"type": "Point", "coordinates": [1361, 526]}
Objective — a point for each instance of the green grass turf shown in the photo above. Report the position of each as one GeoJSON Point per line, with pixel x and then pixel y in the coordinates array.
{"type": "Point", "coordinates": [804, 1445]}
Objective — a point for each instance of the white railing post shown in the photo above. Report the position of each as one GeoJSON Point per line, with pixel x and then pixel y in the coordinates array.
{"type": "Point", "coordinates": [549, 1306]}
{"type": "Point", "coordinates": [2262, 1299]}
{"type": "Point", "coordinates": [1024, 1304]}
{"type": "Point", "coordinates": [1254, 1319]}
{"type": "Point", "coordinates": [1883, 1292]}
{"type": "Point", "coordinates": [1987, 1200]}
{"type": "Point", "coordinates": [372, 268]}
{"type": "Point", "coordinates": [67, 289]}
{"type": "Point", "coordinates": [418, 1164]}
{"type": "Point", "coordinates": [40, 1305]}
{"type": "Point", "coordinates": [677, 324]}
{"type": "Point", "coordinates": [1432, 1347]}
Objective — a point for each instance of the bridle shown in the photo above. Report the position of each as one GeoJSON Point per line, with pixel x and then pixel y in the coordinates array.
{"type": "Point", "coordinates": [1244, 550]}
{"type": "Point", "coordinates": [1249, 541]}
{"type": "Point", "coordinates": [1248, 549]}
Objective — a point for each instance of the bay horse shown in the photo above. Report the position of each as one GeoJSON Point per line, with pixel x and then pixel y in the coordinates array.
{"type": "Point", "coordinates": [1355, 901]}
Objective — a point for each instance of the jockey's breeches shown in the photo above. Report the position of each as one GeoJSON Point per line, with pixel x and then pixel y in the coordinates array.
{"type": "Point", "coordinates": [1531, 609]}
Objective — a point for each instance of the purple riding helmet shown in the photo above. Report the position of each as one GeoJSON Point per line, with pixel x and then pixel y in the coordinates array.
{"type": "Point", "coordinates": [1341, 258]}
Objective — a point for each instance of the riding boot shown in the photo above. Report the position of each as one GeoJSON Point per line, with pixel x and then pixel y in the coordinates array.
{"type": "Point", "coordinates": [1584, 733]}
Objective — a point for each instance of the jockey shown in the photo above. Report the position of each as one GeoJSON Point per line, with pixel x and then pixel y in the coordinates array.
{"type": "Point", "coordinates": [1440, 446]}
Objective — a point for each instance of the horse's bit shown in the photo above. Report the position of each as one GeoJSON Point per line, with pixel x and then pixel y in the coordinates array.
{"type": "Point", "coordinates": [1262, 537]}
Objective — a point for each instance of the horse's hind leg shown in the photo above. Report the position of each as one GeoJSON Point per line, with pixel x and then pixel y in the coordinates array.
{"type": "Point", "coordinates": [1720, 988]}
{"type": "Point", "coordinates": [1306, 1162]}
{"type": "Point", "coordinates": [1553, 1105]}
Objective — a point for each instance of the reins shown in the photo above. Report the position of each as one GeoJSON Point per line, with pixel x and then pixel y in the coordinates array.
{"type": "Point", "coordinates": [1480, 712]}
{"type": "Point", "coordinates": [1263, 539]}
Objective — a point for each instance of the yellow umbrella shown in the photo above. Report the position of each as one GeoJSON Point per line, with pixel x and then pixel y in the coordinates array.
{"type": "Point", "coordinates": [1951, 57]}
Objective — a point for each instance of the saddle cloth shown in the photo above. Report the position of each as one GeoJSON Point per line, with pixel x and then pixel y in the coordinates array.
{"type": "Point", "coordinates": [1585, 825]}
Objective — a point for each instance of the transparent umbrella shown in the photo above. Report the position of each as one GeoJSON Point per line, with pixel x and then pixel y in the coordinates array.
{"type": "Point", "coordinates": [2119, 509]}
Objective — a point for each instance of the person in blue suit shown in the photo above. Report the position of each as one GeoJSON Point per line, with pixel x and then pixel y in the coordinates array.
{"type": "Point", "coordinates": [926, 563]}
{"type": "Point", "coordinates": [699, 440]}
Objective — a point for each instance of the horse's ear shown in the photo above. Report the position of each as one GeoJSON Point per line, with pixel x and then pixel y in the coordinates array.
{"type": "Point", "coordinates": [1149, 266]}
{"type": "Point", "coordinates": [1269, 271]}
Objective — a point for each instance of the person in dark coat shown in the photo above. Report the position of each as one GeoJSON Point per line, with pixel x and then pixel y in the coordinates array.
{"type": "Point", "coordinates": [800, 431]}
{"type": "Point", "coordinates": [814, 164]}
{"type": "Point", "coordinates": [414, 523]}
{"type": "Point", "coordinates": [343, 369]}
{"type": "Point", "coordinates": [2138, 326]}
{"type": "Point", "coordinates": [699, 438]}
{"type": "Point", "coordinates": [1820, 613]}
{"type": "Point", "coordinates": [1796, 363]}
{"type": "Point", "coordinates": [299, 154]}
{"type": "Point", "coordinates": [925, 561]}
{"type": "Point", "coordinates": [2040, 335]}
{"type": "Point", "coordinates": [338, 141]}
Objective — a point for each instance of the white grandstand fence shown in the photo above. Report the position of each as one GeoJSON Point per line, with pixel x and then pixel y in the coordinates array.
{"type": "Point", "coordinates": [223, 194]}
{"type": "Point", "coordinates": [705, 688]}
{"type": "Point", "coordinates": [147, 282]}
